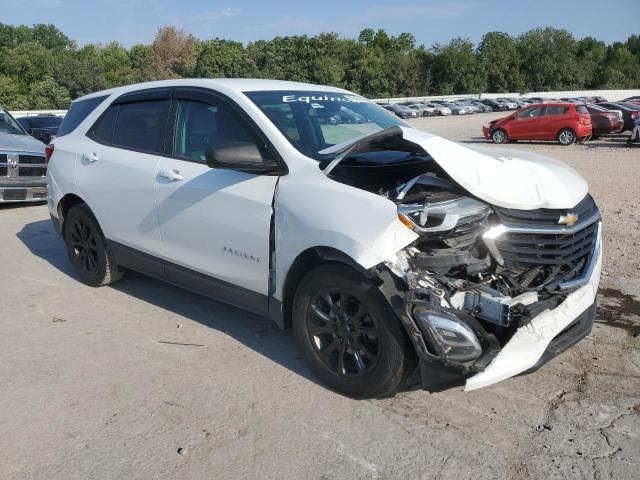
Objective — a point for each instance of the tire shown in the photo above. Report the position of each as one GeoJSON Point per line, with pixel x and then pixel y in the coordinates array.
{"type": "Point", "coordinates": [349, 333]}
{"type": "Point", "coordinates": [87, 248]}
{"type": "Point", "coordinates": [566, 136]}
{"type": "Point", "coordinates": [499, 136]}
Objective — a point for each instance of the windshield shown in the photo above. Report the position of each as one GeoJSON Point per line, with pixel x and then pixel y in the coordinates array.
{"type": "Point", "coordinates": [9, 125]}
{"type": "Point", "coordinates": [314, 121]}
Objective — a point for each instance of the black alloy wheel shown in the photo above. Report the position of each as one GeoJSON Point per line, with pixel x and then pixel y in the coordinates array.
{"type": "Point", "coordinates": [343, 333]}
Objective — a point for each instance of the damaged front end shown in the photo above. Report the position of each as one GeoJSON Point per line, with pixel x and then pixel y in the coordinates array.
{"type": "Point", "coordinates": [486, 292]}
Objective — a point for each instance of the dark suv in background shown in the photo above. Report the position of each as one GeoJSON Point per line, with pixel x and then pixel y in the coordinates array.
{"type": "Point", "coordinates": [43, 127]}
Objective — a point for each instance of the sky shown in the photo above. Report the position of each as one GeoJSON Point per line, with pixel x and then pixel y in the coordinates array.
{"type": "Point", "coordinates": [430, 21]}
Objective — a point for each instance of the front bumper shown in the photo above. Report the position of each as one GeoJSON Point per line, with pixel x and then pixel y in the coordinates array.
{"type": "Point", "coordinates": [486, 131]}
{"type": "Point", "coordinates": [20, 193]}
{"type": "Point", "coordinates": [546, 336]}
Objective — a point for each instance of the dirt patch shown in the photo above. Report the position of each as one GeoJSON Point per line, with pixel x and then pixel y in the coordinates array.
{"type": "Point", "coordinates": [616, 310]}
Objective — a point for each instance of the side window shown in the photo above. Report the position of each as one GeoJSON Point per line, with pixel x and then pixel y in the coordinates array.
{"type": "Point", "coordinates": [106, 126]}
{"type": "Point", "coordinates": [582, 109]}
{"type": "Point", "coordinates": [140, 125]}
{"type": "Point", "coordinates": [530, 112]}
{"type": "Point", "coordinates": [200, 126]}
{"type": "Point", "coordinates": [78, 111]}
{"type": "Point", "coordinates": [557, 110]}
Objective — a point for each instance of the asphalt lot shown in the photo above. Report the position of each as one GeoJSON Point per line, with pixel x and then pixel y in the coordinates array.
{"type": "Point", "coordinates": [88, 391]}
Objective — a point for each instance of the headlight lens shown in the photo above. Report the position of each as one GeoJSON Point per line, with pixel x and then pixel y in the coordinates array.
{"type": "Point", "coordinates": [455, 340]}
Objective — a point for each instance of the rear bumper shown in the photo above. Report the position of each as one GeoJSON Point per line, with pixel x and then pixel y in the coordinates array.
{"type": "Point", "coordinates": [583, 131]}
{"type": "Point", "coordinates": [23, 193]}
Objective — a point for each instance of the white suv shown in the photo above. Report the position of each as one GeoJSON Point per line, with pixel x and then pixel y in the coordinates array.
{"type": "Point", "coordinates": [381, 245]}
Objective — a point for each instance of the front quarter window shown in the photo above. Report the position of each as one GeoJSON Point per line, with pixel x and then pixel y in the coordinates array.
{"type": "Point", "coordinates": [313, 121]}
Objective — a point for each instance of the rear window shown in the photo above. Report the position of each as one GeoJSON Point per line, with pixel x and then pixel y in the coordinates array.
{"type": "Point", "coordinates": [78, 111]}
{"type": "Point", "coordinates": [556, 110]}
{"type": "Point", "coordinates": [582, 109]}
{"type": "Point", "coordinates": [135, 125]}
{"type": "Point", "coordinates": [45, 122]}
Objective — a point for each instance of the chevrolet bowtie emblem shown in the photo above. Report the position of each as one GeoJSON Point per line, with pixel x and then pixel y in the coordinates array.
{"type": "Point", "coordinates": [569, 219]}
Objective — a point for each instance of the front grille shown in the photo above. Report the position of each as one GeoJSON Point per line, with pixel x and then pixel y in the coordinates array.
{"type": "Point", "coordinates": [27, 165]}
{"type": "Point", "coordinates": [32, 171]}
{"type": "Point", "coordinates": [545, 216]}
{"type": "Point", "coordinates": [527, 249]}
{"type": "Point", "coordinates": [30, 159]}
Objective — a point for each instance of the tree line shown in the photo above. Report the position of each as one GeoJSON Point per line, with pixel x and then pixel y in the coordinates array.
{"type": "Point", "coordinates": [42, 68]}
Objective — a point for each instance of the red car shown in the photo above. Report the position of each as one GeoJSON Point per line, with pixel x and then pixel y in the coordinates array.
{"type": "Point", "coordinates": [561, 121]}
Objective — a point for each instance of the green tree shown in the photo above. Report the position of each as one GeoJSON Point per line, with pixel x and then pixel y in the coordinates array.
{"type": "Point", "coordinates": [46, 93]}
{"type": "Point", "coordinates": [500, 60]}
{"type": "Point", "coordinates": [13, 95]}
{"type": "Point", "coordinates": [549, 60]}
{"type": "Point", "coordinates": [457, 69]}
{"type": "Point", "coordinates": [224, 59]}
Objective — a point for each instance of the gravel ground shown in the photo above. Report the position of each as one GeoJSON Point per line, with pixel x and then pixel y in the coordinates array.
{"type": "Point", "coordinates": [90, 392]}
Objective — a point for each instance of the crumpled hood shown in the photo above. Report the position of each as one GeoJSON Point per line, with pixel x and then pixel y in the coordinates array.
{"type": "Point", "coordinates": [503, 177]}
{"type": "Point", "coordinates": [20, 143]}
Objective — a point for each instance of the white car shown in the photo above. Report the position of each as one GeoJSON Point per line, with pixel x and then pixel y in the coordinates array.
{"type": "Point", "coordinates": [383, 246]}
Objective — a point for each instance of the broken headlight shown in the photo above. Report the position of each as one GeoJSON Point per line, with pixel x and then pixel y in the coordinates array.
{"type": "Point", "coordinates": [463, 217]}
{"type": "Point", "coordinates": [453, 338]}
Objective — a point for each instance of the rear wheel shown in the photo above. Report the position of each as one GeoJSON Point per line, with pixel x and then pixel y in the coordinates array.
{"type": "Point", "coordinates": [87, 248]}
{"type": "Point", "coordinates": [566, 136]}
{"type": "Point", "coordinates": [349, 334]}
{"type": "Point", "coordinates": [499, 136]}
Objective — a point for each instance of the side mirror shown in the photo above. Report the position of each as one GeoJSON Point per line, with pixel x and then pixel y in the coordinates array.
{"type": "Point", "coordinates": [242, 156]}
{"type": "Point", "coordinates": [36, 133]}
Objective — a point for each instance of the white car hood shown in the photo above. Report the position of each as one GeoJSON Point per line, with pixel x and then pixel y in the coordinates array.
{"type": "Point", "coordinates": [502, 177]}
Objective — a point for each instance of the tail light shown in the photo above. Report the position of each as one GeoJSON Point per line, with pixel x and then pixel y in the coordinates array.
{"type": "Point", "coordinates": [585, 119]}
{"type": "Point", "coordinates": [634, 115]}
{"type": "Point", "coordinates": [48, 151]}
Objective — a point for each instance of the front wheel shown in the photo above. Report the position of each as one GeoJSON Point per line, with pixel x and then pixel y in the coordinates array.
{"type": "Point", "coordinates": [566, 136]}
{"type": "Point", "coordinates": [87, 248]}
{"type": "Point", "coordinates": [499, 136]}
{"type": "Point", "coordinates": [349, 333]}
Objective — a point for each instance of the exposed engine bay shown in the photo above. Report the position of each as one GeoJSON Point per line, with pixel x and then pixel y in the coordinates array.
{"type": "Point", "coordinates": [477, 272]}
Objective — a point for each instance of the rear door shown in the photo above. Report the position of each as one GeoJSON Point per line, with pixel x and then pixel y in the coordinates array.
{"type": "Point", "coordinates": [555, 119]}
{"type": "Point", "coordinates": [215, 223]}
{"type": "Point", "coordinates": [525, 125]}
{"type": "Point", "coordinates": [117, 168]}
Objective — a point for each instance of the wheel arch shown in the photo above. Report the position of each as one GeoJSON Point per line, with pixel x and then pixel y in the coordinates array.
{"type": "Point", "coordinates": [305, 262]}
{"type": "Point", "coordinates": [64, 205]}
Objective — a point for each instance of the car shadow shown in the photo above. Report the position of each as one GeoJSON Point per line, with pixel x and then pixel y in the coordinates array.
{"type": "Point", "coordinates": [255, 332]}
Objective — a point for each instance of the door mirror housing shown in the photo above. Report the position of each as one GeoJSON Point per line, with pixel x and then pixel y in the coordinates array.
{"type": "Point", "coordinates": [242, 156]}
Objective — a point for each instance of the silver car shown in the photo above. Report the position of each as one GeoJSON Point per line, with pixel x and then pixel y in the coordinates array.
{"type": "Point", "coordinates": [23, 168]}
{"type": "Point", "coordinates": [439, 108]}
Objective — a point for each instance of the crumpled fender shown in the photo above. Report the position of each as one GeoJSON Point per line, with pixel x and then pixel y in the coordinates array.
{"type": "Point", "coordinates": [360, 224]}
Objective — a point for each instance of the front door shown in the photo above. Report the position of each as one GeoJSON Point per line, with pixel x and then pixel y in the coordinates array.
{"type": "Point", "coordinates": [215, 223]}
{"type": "Point", "coordinates": [526, 125]}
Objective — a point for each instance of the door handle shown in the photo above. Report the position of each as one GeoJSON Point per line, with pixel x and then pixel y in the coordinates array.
{"type": "Point", "coordinates": [173, 175]}
{"type": "Point", "coordinates": [91, 157]}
